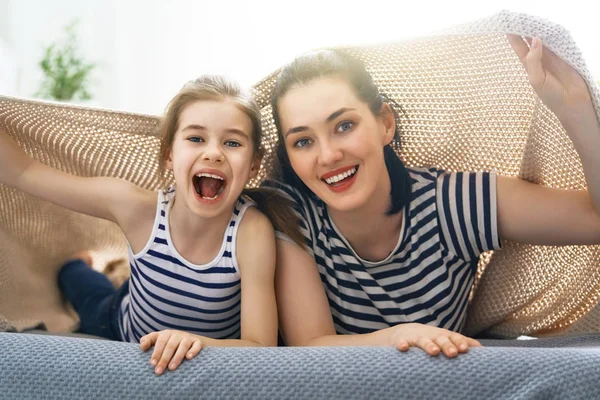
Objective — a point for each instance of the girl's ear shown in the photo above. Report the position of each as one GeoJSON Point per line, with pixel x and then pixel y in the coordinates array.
{"type": "Point", "coordinates": [389, 123]}
{"type": "Point", "coordinates": [169, 160]}
{"type": "Point", "coordinates": [255, 167]}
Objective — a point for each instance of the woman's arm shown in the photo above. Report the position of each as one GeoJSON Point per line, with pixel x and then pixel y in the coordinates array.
{"type": "Point", "coordinates": [538, 215]}
{"type": "Point", "coordinates": [534, 214]}
{"type": "Point", "coordinates": [305, 317]}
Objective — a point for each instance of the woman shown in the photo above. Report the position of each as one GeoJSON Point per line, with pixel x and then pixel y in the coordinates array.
{"type": "Point", "coordinates": [394, 248]}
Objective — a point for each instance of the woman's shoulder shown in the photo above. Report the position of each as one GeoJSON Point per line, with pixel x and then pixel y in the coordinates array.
{"type": "Point", "coordinates": [422, 177]}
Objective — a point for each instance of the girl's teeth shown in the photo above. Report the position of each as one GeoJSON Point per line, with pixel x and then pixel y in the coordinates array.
{"type": "Point", "coordinates": [209, 176]}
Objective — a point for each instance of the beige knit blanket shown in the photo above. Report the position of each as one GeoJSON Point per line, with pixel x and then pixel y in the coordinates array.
{"type": "Point", "coordinates": [469, 106]}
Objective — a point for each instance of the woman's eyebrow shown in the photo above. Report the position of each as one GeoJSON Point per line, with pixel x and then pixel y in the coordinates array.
{"type": "Point", "coordinates": [337, 113]}
{"type": "Point", "coordinates": [333, 116]}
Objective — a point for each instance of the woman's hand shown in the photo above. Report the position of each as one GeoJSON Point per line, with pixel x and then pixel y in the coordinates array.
{"type": "Point", "coordinates": [170, 348]}
{"type": "Point", "coordinates": [431, 339]}
{"type": "Point", "coordinates": [557, 84]}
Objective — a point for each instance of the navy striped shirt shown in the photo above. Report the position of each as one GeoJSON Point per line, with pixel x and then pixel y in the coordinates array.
{"type": "Point", "coordinates": [449, 222]}
{"type": "Point", "coordinates": [168, 292]}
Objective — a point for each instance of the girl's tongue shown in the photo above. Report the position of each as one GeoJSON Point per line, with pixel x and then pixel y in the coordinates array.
{"type": "Point", "coordinates": [208, 187]}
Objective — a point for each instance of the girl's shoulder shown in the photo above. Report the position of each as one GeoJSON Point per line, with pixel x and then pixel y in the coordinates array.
{"type": "Point", "coordinates": [254, 222]}
{"type": "Point", "coordinates": [299, 198]}
{"type": "Point", "coordinates": [255, 232]}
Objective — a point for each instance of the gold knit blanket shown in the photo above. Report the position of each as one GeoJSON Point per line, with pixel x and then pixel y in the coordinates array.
{"type": "Point", "coordinates": [468, 106]}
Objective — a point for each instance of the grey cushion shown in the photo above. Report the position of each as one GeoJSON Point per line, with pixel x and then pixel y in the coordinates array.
{"type": "Point", "coordinates": [52, 367]}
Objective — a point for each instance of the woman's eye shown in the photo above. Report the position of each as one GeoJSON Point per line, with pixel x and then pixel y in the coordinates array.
{"type": "Point", "coordinates": [232, 143]}
{"type": "Point", "coordinates": [302, 142]}
{"type": "Point", "coordinates": [345, 126]}
{"type": "Point", "coordinates": [195, 139]}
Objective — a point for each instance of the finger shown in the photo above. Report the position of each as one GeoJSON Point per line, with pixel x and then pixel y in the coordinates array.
{"type": "Point", "coordinates": [473, 342]}
{"type": "Point", "coordinates": [196, 347]}
{"type": "Point", "coordinates": [427, 344]}
{"type": "Point", "coordinates": [159, 346]}
{"type": "Point", "coordinates": [519, 46]}
{"type": "Point", "coordinates": [402, 345]}
{"type": "Point", "coordinates": [448, 348]}
{"type": "Point", "coordinates": [180, 353]}
{"type": "Point", "coordinates": [460, 341]}
{"type": "Point", "coordinates": [148, 341]}
{"type": "Point", "coordinates": [533, 64]}
{"type": "Point", "coordinates": [167, 354]}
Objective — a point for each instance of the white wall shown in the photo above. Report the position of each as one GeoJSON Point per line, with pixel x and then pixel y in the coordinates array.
{"type": "Point", "coordinates": [146, 49]}
{"type": "Point", "coordinates": [29, 26]}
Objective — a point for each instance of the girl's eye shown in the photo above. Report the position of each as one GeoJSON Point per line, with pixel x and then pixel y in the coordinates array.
{"type": "Point", "coordinates": [195, 139]}
{"type": "Point", "coordinates": [301, 142]}
{"type": "Point", "coordinates": [345, 126]}
{"type": "Point", "coordinates": [232, 143]}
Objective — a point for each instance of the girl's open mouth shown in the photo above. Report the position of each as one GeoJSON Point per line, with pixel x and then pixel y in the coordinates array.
{"type": "Point", "coordinates": [209, 186]}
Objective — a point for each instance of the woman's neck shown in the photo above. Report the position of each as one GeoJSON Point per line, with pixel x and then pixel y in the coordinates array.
{"type": "Point", "coordinates": [370, 231]}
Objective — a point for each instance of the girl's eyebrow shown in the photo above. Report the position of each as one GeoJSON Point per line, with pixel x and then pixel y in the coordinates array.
{"type": "Point", "coordinates": [195, 127]}
{"type": "Point", "coordinates": [333, 116]}
{"type": "Point", "coordinates": [238, 132]}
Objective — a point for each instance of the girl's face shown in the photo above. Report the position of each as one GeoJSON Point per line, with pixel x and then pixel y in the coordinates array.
{"type": "Point", "coordinates": [335, 143]}
{"type": "Point", "coordinates": [212, 156]}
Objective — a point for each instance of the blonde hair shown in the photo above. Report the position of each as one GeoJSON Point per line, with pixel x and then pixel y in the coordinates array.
{"type": "Point", "coordinates": [207, 87]}
{"type": "Point", "coordinates": [218, 88]}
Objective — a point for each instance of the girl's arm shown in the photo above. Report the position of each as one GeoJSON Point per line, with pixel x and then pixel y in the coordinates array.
{"type": "Point", "coordinates": [108, 198]}
{"type": "Point", "coordinates": [534, 214]}
{"type": "Point", "coordinates": [256, 259]}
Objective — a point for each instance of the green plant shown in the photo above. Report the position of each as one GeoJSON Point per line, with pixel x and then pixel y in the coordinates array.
{"type": "Point", "coordinates": [66, 72]}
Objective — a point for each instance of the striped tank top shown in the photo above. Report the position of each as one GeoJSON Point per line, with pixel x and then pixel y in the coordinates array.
{"type": "Point", "coordinates": [168, 292]}
{"type": "Point", "coordinates": [427, 278]}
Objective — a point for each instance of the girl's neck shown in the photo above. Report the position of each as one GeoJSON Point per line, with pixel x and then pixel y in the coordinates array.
{"type": "Point", "coordinates": [370, 231]}
{"type": "Point", "coordinates": [195, 238]}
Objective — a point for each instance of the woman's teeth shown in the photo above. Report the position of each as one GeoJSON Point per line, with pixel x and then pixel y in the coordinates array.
{"type": "Point", "coordinates": [342, 176]}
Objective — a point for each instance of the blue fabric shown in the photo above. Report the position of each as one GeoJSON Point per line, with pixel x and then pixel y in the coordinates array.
{"type": "Point", "coordinates": [94, 298]}
{"type": "Point", "coordinates": [52, 367]}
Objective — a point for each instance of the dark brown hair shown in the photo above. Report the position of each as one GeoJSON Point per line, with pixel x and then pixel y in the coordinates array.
{"type": "Point", "coordinates": [324, 63]}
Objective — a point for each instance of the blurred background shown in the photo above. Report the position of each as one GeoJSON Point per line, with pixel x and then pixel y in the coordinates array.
{"type": "Point", "coordinates": [134, 55]}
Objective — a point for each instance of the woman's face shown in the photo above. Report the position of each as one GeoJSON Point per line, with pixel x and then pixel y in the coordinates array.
{"type": "Point", "coordinates": [335, 143]}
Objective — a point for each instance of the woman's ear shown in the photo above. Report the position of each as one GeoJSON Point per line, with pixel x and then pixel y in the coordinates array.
{"type": "Point", "coordinates": [389, 122]}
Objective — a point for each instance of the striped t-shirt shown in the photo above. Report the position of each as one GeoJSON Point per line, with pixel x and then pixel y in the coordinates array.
{"type": "Point", "coordinates": [168, 292]}
{"type": "Point", "coordinates": [449, 221]}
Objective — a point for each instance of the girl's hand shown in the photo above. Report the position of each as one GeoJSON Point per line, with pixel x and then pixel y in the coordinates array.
{"type": "Point", "coordinates": [431, 339]}
{"type": "Point", "coordinates": [557, 84]}
{"type": "Point", "coordinates": [170, 348]}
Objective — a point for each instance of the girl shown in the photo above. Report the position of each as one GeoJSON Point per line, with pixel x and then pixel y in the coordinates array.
{"type": "Point", "coordinates": [202, 257]}
{"type": "Point", "coordinates": [396, 248]}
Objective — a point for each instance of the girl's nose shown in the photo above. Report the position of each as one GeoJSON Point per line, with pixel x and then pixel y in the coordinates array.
{"type": "Point", "coordinates": [212, 154]}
